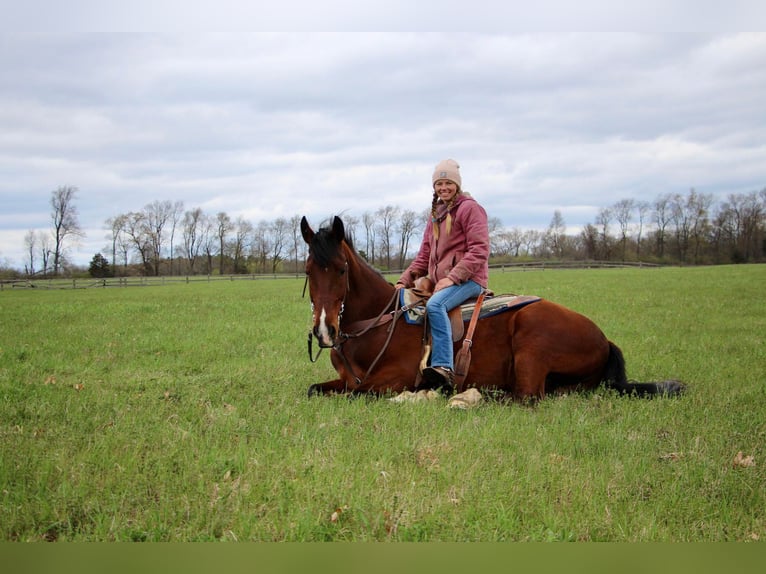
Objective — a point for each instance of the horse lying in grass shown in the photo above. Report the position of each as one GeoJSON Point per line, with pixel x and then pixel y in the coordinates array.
{"type": "Point", "coordinates": [524, 352]}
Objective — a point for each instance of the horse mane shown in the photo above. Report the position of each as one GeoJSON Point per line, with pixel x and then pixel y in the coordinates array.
{"type": "Point", "coordinates": [325, 246]}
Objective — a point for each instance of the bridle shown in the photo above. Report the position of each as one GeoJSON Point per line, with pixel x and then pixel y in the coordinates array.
{"type": "Point", "coordinates": [360, 328]}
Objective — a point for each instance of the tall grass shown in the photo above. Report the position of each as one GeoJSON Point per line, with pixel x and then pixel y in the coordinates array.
{"type": "Point", "coordinates": [180, 413]}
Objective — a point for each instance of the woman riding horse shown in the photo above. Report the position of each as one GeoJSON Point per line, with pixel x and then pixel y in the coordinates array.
{"type": "Point", "coordinates": [526, 352]}
{"type": "Point", "coordinates": [454, 254]}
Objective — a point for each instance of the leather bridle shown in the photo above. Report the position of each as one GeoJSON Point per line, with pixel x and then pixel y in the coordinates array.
{"type": "Point", "coordinates": [360, 328]}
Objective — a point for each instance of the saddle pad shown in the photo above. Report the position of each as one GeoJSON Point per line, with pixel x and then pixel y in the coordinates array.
{"type": "Point", "coordinates": [491, 306]}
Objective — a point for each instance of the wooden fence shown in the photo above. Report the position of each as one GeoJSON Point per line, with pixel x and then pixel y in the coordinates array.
{"type": "Point", "coordinates": [138, 281]}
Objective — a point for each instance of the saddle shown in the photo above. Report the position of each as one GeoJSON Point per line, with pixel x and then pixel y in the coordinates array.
{"type": "Point", "coordinates": [413, 303]}
{"type": "Point", "coordinates": [485, 305]}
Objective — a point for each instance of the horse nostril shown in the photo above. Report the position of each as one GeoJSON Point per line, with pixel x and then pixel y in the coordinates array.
{"type": "Point", "coordinates": [325, 334]}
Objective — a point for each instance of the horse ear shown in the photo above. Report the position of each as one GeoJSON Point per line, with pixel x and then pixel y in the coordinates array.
{"type": "Point", "coordinates": [337, 229]}
{"type": "Point", "coordinates": [306, 231]}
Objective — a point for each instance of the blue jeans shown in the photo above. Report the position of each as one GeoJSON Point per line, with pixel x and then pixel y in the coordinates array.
{"type": "Point", "coordinates": [441, 331]}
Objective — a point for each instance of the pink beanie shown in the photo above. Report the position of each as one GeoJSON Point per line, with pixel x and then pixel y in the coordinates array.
{"type": "Point", "coordinates": [448, 169]}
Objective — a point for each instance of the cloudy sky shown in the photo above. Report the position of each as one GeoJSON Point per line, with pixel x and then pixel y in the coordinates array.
{"type": "Point", "coordinates": [268, 125]}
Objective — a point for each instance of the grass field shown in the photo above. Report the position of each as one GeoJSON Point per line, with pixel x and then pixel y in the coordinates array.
{"type": "Point", "coordinates": [180, 413]}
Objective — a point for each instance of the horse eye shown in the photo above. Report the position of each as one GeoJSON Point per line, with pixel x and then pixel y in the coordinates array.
{"type": "Point", "coordinates": [343, 271]}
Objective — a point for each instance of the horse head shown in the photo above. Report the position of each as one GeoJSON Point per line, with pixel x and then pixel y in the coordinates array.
{"type": "Point", "coordinates": [327, 275]}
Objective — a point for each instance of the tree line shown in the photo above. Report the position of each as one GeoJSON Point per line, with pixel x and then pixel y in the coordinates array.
{"type": "Point", "coordinates": [165, 238]}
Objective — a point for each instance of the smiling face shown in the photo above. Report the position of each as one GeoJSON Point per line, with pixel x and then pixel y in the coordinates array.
{"type": "Point", "coordinates": [445, 189]}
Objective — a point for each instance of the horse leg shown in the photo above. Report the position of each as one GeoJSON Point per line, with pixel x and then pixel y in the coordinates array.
{"type": "Point", "coordinates": [529, 374]}
{"type": "Point", "coordinates": [378, 387]}
{"type": "Point", "coordinates": [336, 386]}
{"type": "Point", "coordinates": [373, 386]}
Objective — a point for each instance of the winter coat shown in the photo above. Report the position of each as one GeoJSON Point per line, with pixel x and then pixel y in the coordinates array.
{"type": "Point", "coordinates": [462, 254]}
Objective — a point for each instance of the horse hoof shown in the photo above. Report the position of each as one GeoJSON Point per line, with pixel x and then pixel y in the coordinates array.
{"type": "Point", "coordinates": [313, 391]}
{"type": "Point", "coordinates": [465, 400]}
{"type": "Point", "coordinates": [417, 397]}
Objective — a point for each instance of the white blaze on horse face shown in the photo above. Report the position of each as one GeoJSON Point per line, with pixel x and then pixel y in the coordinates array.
{"type": "Point", "coordinates": [323, 333]}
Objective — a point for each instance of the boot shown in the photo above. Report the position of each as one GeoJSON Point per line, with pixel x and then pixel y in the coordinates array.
{"type": "Point", "coordinates": [439, 378]}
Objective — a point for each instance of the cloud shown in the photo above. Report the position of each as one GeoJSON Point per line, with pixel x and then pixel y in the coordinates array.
{"type": "Point", "coordinates": [273, 125]}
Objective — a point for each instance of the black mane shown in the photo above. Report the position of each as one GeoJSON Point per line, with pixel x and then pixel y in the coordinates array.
{"type": "Point", "coordinates": [325, 246]}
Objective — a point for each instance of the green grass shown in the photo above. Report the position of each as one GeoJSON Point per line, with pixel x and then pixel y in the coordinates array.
{"type": "Point", "coordinates": [180, 413]}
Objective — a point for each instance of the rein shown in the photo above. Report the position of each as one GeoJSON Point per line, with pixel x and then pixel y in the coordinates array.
{"type": "Point", "coordinates": [379, 320]}
{"type": "Point", "coordinates": [364, 327]}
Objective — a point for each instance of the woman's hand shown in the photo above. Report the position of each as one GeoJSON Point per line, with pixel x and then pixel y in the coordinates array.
{"type": "Point", "coordinates": [443, 284]}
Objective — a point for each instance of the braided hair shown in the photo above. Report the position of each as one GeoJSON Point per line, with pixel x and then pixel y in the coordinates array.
{"type": "Point", "coordinates": [435, 220]}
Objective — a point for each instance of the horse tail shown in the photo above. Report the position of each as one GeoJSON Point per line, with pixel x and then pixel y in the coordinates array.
{"type": "Point", "coordinates": [615, 378]}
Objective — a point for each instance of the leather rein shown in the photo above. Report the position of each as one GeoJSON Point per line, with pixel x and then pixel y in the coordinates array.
{"type": "Point", "coordinates": [360, 328]}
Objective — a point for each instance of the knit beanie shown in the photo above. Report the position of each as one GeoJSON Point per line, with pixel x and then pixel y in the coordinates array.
{"type": "Point", "coordinates": [448, 169]}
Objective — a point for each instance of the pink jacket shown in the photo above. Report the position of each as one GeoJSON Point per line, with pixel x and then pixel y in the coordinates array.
{"type": "Point", "coordinates": [462, 254]}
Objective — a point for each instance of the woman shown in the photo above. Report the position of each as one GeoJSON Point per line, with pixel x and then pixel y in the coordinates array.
{"type": "Point", "coordinates": [454, 254]}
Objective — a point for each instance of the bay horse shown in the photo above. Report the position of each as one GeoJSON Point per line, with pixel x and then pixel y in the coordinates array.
{"type": "Point", "coordinates": [526, 353]}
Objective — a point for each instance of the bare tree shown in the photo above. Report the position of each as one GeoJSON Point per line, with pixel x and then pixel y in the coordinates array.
{"type": "Point", "coordinates": [65, 222]}
{"type": "Point", "coordinates": [278, 231]}
{"type": "Point", "coordinates": [350, 223]}
{"type": "Point", "coordinates": [508, 242]}
{"type": "Point", "coordinates": [44, 240]}
{"type": "Point", "coordinates": [368, 220]}
{"type": "Point", "coordinates": [698, 205]}
{"type": "Point", "coordinates": [119, 238]}
{"type": "Point", "coordinates": [114, 226]}
{"type": "Point", "coordinates": [193, 235]}
{"type": "Point", "coordinates": [296, 239]}
{"type": "Point", "coordinates": [603, 220]}
{"type": "Point", "coordinates": [407, 227]}
{"type": "Point", "coordinates": [223, 227]}
{"type": "Point", "coordinates": [134, 226]}
{"type": "Point", "coordinates": [386, 219]}
{"type": "Point", "coordinates": [30, 245]}
{"type": "Point", "coordinates": [680, 219]}
{"type": "Point", "coordinates": [689, 216]}
{"type": "Point", "coordinates": [243, 231]}
{"type": "Point", "coordinates": [589, 238]}
{"type": "Point", "coordinates": [261, 245]}
{"type": "Point", "coordinates": [176, 218]}
{"type": "Point", "coordinates": [662, 217]}
{"type": "Point", "coordinates": [532, 238]}
{"type": "Point", "coordinates": [623, 213]}
{"type": "Point", "coordinates": [495, 228]}
{"type": "Point", "coordinates": [156, 216]}
{"type": "Point", "coordinates": [642, 208]}
{"type": "Point", "coordinates": [557, 234]}
{"type": "Point", "coordinates": [752, 213]}
{"type": "Point", "coordinates": [208, 242]}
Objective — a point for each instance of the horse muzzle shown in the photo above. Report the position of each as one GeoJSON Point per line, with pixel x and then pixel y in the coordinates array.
{"type": "Point", "coordinates": [325, 335]}
{"type": "Point", "coordinates": [326, 331]}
